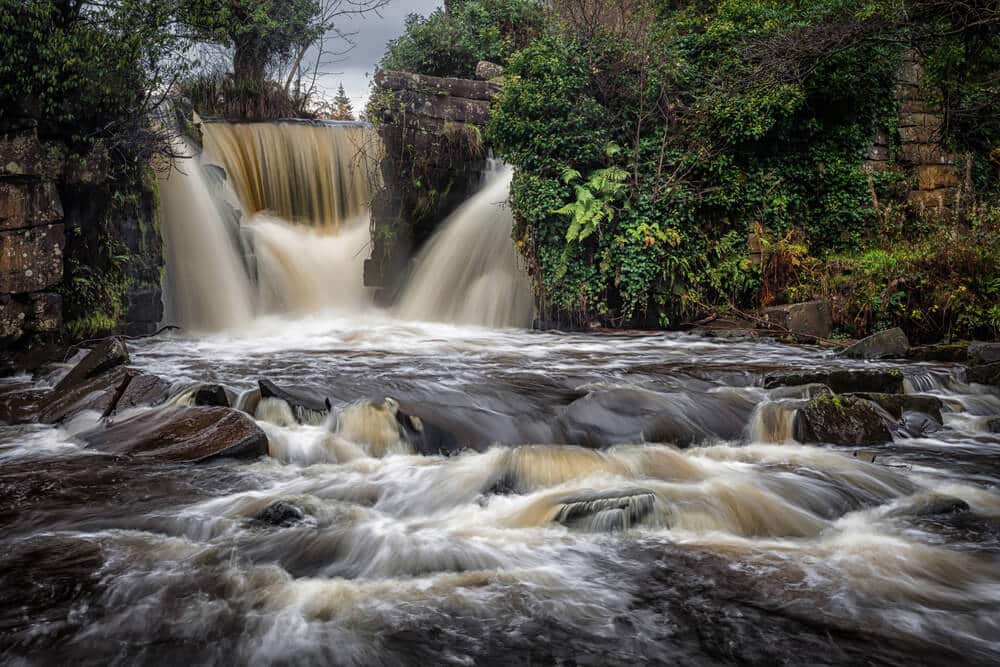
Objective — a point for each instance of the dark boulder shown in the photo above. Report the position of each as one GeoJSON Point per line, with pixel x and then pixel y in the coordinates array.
{"type": "Point", "coordinates": [144, 389]}
{"type": "Point", "coordinates": [181, 435]}
{"type": "Point", "coordinates": [841, 420]}
{"type": "Point", "coordinates": [280, 514]}
{"type": "Point", "coordinates": [984, 353]}
{"type": "Point", "coordinates": [917, 425]}
{"type": "Point", "coordinates": [993, 424]}
{"type": "Point", "coordinates": [891, 343]}
{"type": "Point", "coordinates": [435, 428]}
{"type": "Point", "coordinates": [898, 404]}
{"type": "Point", "coordinates": [842, 381]}
{"type": "Point", "coordinates": [111, 353]}
{"type": "Point", "coordinates": [606, 417]}
{"type": "Point", "coordinates": [22, 407]}
{"type": "Point", "coordinates": [988, 374]}
{"type": "Point", "coordinates": [306, 407]}
{"type": "Point", "coordinates": [931, 505]}
{"type": "Point", "coordinates": [811, 318]}
{"type": "Point", "coordinates": [211, 395]}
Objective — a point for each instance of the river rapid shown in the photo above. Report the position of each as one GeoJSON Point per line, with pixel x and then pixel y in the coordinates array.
{"type": "Point", "coordinates": [705, 536]}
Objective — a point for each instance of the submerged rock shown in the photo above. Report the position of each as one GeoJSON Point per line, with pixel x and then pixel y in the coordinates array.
{"type": "Point", "coordinates": [99, 393]}
{"type": "Point", "coordinates": [280, 514]}
{"type": "Point", "coordinates": [842, 381]}
{"type": "Point", "coordinates": [882, 345]}
{"type": "Point", "coordinates": [211, 395]}
{"type": "Point", "coordinates": [841, 420]}
{"type": "Point", "coordinates": [181, 435]}
{"type": "Point", "coordinates": [605, 510]}
{"type": "Point", "coordinates": [993, 424]}
{"type": "Point", "coordinates": [932, 504]}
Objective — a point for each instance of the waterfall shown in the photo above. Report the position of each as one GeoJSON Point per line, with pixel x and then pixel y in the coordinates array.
{"type": "Point", "coordinates": [207, 287]}
{"type": "Point", "coordinates": [297, 240]}
{"type": "Point", "coordinates": [304, 173]}
{"type": "Point", "coordinates": [469, 272]}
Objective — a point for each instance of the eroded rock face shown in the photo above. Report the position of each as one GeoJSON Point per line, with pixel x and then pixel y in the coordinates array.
{"type": "Point", "coordinates": [984, 353]}
{"type": "Point", "coordinates": [31, 259]}
{"type": "Point", "coordinates": [841, 420]}
{"type": "Point", "coordinates": [988, 374]}
{"type": "Point", "coordinates": [182, 435]}
{"type": "Point", "coordinates": [891, 343]}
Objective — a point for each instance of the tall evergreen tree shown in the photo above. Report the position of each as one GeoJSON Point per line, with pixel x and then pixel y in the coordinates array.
{"type": "Point", "coordinates": [342, 109]}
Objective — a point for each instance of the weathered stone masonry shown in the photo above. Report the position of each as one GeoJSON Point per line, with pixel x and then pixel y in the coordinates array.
{"type": "Point", "coordinates": [32, 238]}
{"type": "Point", "coordinates": [432, 134]}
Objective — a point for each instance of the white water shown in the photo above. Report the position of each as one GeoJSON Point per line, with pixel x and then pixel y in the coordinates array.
{"type": "Point", "coordinates": [469, 272]}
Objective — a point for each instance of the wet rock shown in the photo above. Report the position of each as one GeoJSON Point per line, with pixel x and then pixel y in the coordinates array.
{"type": "Point", "coordinates": [625, 415]}
{"type": "Point", "coordinates": [993, 424]}
{"type": "Point", "coordinates": [984, 353]}
{"type": "Point", "coordinates": [29, 205]}
{"type": "Point", "coordinates": [143, 310]}
{"type": "Point", "coordinates": [811, 318]}
{"type": "Point", "coordinates": [44, 312]}
{"type": "Point", "coordinates": [211, 395]}
{"type": "Point", "coordinates": [799, 391]}
{"type": "Point", "coordinates": [98, 393]}
{"type": "Point", "coordinates": [898, 404]}
{"type": "Point", "coordinates": [842, 381]}
{"type": "Point", "coordinates": [22, 407]}
{"type": "Point", "coordinates": [931, 505]}
{"type": "Point", "coordinates": [143, 389]}
{"type": "Point", "coordinates": [988, 374]}
{"type": "Point", "coordinates": [867, 457]}
{"type": "Point", "coordinates": [917, 425]}
{"type": "Point", "coordinates": [306, 407]}
{"type": "Point", "coordinates": [605, 510]}
{"type": "Point", "coordinates": [882, 345]}
{"type": "Point", "coordinates": [280, 514]}
{"type": "Point", "coordinates": [841, 420]}
{"type": "Point", "coordinates": [427, 437]}
{"type": "Point", "coordinates": [181, 435]}
{"type": "Point", "coordinates": [106, 355]}
{"type": "Point", "coordinates": [943, 352]}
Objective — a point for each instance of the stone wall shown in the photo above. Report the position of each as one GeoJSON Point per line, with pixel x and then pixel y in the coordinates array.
{"type": "Point", "coordinates": [61, 216]}
{"type": "Point", "coordinates": [434, 158]}
{"type": "Point", "coordinates": [32, 239]}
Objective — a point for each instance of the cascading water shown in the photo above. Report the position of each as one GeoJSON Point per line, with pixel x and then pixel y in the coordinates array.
{"type": "Point", "coordinates": [300, 246]}
{"type": "Point", "coordinates": [469, 272]}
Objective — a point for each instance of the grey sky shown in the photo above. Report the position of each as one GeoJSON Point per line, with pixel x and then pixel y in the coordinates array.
{"type": "Point", "coordinates": [358, 66]}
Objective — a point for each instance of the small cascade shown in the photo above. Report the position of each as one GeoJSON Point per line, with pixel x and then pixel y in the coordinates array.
{"type": "Point", "coordinates": [297, 240]}
{"type": "Point", "coordinates": [305, 173]}
{"type": "Point", "coordinates": [469, 272]}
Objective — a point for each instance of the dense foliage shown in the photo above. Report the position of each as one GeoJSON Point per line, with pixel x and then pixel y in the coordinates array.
{"type": "Point", "coordinates": [452, 43]}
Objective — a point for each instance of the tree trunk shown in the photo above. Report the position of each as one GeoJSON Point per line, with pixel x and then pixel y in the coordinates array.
{"type": "Point", "coordinates": [249, 64]}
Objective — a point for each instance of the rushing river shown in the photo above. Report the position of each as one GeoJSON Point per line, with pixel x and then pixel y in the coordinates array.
{"type": "Point", "coordinates": [743, 547]}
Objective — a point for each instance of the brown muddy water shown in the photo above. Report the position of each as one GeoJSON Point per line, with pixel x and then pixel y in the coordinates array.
{"type": "Point", "coordinates": [683, 525]}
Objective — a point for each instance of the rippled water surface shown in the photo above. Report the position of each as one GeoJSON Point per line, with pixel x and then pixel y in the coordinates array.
{"type": "Point", "coordinates": [703, 535]}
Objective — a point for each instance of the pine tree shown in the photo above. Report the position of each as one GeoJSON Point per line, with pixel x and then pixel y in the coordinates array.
{"type": "Point", "coordinates": [342, 109]}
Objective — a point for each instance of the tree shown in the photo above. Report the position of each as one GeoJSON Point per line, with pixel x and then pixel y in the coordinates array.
{"type": "Point", "coordinates": [342, 109]}
{"type": "Point", "coordinates": [266, 36]}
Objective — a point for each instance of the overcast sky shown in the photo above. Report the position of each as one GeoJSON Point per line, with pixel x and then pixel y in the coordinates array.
{"type": "Point", "coordinates": [358, 66]}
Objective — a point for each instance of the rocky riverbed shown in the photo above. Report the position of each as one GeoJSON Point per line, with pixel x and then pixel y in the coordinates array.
{"type": "Point", "coordinates": [369, 491]}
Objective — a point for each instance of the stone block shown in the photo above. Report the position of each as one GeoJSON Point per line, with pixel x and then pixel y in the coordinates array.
{"type": "Point", "coordinates": [45, 312]}
{"type": "Point", "coordinates": [910, 73]}
{"type": "Point", "coordinates": [878, 153]}
{"type": "Point", "coordinates": [144, 310]}
{"type": "Point", "coordinates": [29, 205]}
{"type": "Point", "coordinates": [932, 202]}
{"type": "Point", "coordinates": [934, 176]}
{"type": "Point", "coordinates": [31, 259]}
{"type": "Point", "coordinates": [13, 316]}
{"type": "Point", "coordinates": [23, 155]}
{"type": "Point", "coordinates": [811, 318]}
{"type": "Point", "coordinates": [920, 119]}
{"type": "Point", "coordinates": [437, 86]}
{"type": "Point", "coordinates": [917, 106]}
{"type": "Point", "coordinates": [922, 134]}
{"type": "Point", "coordinates": [881, 345]}
{"type": "Point", "coordinates": [924, 153]}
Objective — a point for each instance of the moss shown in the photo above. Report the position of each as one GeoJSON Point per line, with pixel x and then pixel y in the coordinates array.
{"type": "Point", "coordinates": [91, 325]}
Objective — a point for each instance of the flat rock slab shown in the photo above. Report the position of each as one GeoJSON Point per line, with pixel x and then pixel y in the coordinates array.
{"type": "Point", "coordinates": [106, 355]}
{"type": "Point", "coordinates": [897, 404]}
{"type": "Point", "coordinates": [842, 381]}
{"type": "Point", "coordinates": [184, 435]}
